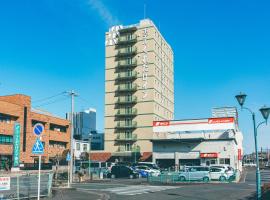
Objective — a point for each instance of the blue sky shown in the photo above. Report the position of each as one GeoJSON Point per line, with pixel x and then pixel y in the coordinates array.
{"type": "Point", "coordinates": [220, 48]}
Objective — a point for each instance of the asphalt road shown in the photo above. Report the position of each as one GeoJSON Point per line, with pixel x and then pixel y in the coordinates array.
{"type": "Point", "coordinates": [125, 189]}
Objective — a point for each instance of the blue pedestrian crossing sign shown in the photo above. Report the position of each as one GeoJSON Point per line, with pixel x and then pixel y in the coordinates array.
{"type": "Point", "coordinates": [68, 157]}
{"type": "Point", "coordinates": [38, 147]}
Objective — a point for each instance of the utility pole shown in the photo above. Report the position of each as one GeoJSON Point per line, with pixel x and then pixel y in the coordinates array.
{"type": "Point", "coordinates": [89, 158]}
{"type": "Point", "coordinates": [72, 94]}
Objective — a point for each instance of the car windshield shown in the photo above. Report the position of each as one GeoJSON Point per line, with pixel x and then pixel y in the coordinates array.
{"type": "Point", "coordinates": [215, 170]}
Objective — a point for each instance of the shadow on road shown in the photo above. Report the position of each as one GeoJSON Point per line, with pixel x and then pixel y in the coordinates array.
{"type": "Point", "coordinates": [265, 196]}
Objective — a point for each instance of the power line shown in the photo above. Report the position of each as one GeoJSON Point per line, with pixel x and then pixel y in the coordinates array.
{"type": "Point", "coordinates": [47, 98]}
{"type": "Point", "coordinates": [51, 102]}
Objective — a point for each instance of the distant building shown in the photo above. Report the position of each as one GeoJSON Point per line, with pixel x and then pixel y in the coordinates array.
{"type": "Point", "coordinates": [97, 141]}
{"type": "Point", "coordinates": [225, 112]}
{"type": "Point", "coordinates": [84, 123]}
{"type": "Point", "coordinates": [79, 148]}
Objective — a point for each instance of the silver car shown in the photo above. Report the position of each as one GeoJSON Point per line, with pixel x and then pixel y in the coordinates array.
{"type": "Point", "coordinates": [195, 173]}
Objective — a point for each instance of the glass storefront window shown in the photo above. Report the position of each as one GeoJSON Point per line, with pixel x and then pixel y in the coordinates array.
{"type": "Point", "coordinates": [6, 139]}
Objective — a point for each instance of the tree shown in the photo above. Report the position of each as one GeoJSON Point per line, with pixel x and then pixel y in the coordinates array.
{"type": "Point", "coordinates": [84, 156]}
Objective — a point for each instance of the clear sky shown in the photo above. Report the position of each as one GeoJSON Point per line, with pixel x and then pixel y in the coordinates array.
{"type": "Point", "coordinates": [220, 48]}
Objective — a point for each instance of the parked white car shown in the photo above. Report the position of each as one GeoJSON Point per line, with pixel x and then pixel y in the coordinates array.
{"type": "Point", "coordinates": [217, 173]}
{"type": "Point", "coordinates": [228, 169]}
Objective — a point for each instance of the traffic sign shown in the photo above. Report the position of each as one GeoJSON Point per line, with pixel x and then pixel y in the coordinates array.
{"type": "Point", "coordinates": [38, 147]}
{"type": "Point", "coordinates": [38, 129]}
{"type": "Point", "coordinates": [68, 157]}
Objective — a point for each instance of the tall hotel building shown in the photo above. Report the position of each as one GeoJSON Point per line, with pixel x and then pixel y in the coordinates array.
{"type": "Point", "coordinates": [139, 88]}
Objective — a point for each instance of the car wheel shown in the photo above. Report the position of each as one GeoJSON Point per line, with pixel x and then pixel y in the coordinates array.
{"type": "Point", "coordinates": [205, 179]}
{"type": "Point", "coordinates": [112, 176]}
{"type": "Point", "coordinates": [222, 178]}
{"type": "Point", "coordinates": [182, 178]}
{"type": "Point", "coordinates": [131, 176]}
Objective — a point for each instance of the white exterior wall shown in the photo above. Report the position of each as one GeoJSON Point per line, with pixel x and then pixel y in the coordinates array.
{"type": "Point", "coordinates": [77, 153]}
{"type": "Point", "coordinates": [177, 150]}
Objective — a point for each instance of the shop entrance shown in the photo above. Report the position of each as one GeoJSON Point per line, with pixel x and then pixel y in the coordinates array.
{"type": "Point", "coordinates": [165, 163]}
{"type": "Point", "coordinates": [189, 162]}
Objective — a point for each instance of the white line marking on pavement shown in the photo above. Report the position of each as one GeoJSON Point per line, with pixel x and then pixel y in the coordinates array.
{"type": "Point", "coordinates": [138, 189]}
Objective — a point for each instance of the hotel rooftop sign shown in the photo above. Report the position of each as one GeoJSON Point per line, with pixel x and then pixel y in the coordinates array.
{"type": "Point", "coordinates": [207, 124]}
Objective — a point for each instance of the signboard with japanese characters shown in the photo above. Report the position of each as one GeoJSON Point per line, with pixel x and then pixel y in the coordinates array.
{"type": "Point", "coordinates": [4, 183]}
{"type": "Point", "coordinates": [16, 145]}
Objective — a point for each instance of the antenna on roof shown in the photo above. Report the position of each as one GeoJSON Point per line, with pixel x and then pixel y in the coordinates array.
{"type": "Point", "coordinates": [144, 11]}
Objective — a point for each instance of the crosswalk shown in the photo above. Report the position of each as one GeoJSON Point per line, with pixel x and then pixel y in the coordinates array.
{"type": "Point", "coordinates": [265, 176]}
{"type": "Point", "coordinates": [137, 189]}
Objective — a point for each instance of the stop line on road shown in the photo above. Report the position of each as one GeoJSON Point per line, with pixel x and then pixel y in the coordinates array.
{"type": "Point", "coordinates": [137, 189]}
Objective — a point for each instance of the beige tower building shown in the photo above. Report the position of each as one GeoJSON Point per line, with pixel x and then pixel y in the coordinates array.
{"type": "Point", "coordinates": [139, 88]}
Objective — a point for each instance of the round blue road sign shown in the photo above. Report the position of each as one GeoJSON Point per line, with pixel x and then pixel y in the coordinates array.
{"type": "Point", "coordinates": [38, 129]}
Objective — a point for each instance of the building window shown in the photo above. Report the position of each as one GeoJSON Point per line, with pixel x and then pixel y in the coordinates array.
{"type": "Point", "coordinates": [128, 147]}
{"type": "Point", "coordinates": [227, 161]}
{"type": "Point", "coordinates": [59, 128]}
{"type": "Point", "coordinates": [6, 139]}
{"type": "Point", "coordinates": [5, 118]}
{"type": "Point", "coordinates": [213, 162]}
{"type": "Point", "coordinates": [57, 144]}
{"type": "Point", "coordinates": [78, 146]}
{"type": "Point", "coordinates": [85, 147]}
{"type": "Point", "coordinates": [223, 161]}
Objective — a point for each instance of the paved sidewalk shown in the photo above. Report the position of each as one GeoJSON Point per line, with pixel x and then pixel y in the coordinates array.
{"type": "Point", "coordinates": [73, 194]}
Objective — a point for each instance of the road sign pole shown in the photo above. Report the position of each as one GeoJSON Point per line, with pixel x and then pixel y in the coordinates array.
{"type": "Point", "coordinates": [39, 168]}
{"type": "Point", "coordinates": [38, 149]}
{"type": "Point", "coordinates": [68, 174]}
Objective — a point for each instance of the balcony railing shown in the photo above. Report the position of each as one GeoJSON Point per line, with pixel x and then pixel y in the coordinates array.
{"type": "Point", "coordinates": [126, 100]}
{"type": "Point", "coordinates": [128, 29]}
{"type": "Point", "coordinates": [127, 75]}
{"type": "Point", "coordinates": [123, 137]}
{"type": "Point", "coordinates": [126, 112]}
{"type": "Point", "coordinates": [127, 39]}
{"type": "Point", "coordinates": [127, 88]}
{"type": "Point", "coordinates": [126, 125]}
{"type": "Point", "coordinates": [127, 51]}
{"type": "Point", "coordinates": [124, 149]}
{"type": "Point", "coordinates": [127, 63]}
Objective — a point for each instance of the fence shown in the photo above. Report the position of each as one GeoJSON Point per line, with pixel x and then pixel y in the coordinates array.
{"type": "Point", "coordinates": [34, 166]}
{"type": "Point", "coordinates": [174, 177]}
{"type": "Point", "coordinates": [26, 186]}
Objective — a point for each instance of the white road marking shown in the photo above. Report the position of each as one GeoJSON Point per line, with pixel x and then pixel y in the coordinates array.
{"type": "Point", "coordinates": [137, 189]}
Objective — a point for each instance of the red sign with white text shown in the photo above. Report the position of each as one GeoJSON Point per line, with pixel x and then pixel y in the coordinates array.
{"type": "Point", "coordinates": [208, 155]}
{"type": "Point", "coordinates": [220, 120]}
{"type": "Point", "coordinates": [239, 154]}
{"type": "Point", "coordinates": [163, 123]}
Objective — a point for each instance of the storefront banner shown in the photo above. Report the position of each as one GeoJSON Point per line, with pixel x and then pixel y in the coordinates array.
{"type": "Point", "coordinates": [4, 183]}
{"type": "Point", "coordinates": [225, 123]}
{"type": "Point", "coordinates": [239, 154]}
{"type": "Point", "coordinates": [16, 145]}
{"type": "Point", "coordinates": [209, 155]}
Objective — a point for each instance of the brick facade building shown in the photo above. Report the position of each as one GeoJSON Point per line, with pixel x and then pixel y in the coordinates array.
{"type": "Point", "coordinates": [17, 108]}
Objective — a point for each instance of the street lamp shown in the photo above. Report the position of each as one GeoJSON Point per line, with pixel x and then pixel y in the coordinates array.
{"type": "Point", "coordinates": [265, 113]}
